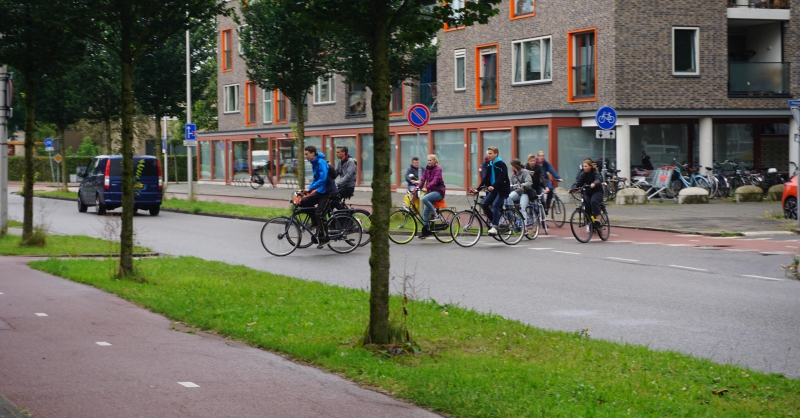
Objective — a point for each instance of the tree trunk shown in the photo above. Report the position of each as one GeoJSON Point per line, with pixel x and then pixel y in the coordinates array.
{"type": "Point", "coordinates": [159, 134]}
{"type": "Point", "coordinates": [64, 175]}
{"type": "Point", "coordinates": [381, 187]}
{"type": "Point", "coordinates": [126, 229]}
{"type": "Point", "coordinates": [300, 140]}
{"type": "Point", "coordinates": [30, 130]}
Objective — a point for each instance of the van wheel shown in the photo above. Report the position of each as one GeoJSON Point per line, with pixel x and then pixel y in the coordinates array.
{"type": "Point", "coordinates": [155, 210]}
{"type": "Point", "coordinates": [81, 207]}
{"type": "Point", "coordinates": [99, 208]}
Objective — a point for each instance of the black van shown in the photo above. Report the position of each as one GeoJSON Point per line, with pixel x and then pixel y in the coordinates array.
{"type": "Point", "coordinates": [101, 184]}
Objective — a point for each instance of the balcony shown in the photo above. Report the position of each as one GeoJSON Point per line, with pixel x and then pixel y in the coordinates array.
{"type": "Point", "coordinates": [758, 4]}
{"type": "Point", "coordinates": [427, 94]}
{"type": "Point", "coordinates": [748, 12]}
{"type": "Point", "coordinates": [758, 79]}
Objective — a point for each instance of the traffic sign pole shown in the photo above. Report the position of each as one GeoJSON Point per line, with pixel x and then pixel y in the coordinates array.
{"type": "Point", "coordinates": [606, 118]}
{"type": "Point", "coordinates": [418, 116]}
{"type": "Point", "coordinates": [5, 107]}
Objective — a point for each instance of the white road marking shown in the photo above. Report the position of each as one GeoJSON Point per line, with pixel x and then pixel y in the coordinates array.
{"type": "Point", "coordinates": [686, 235]}
{"type": "Point", "coordinates": [614, 235]}
{"type": "Point", "coordinates": [189, 384]}
{"type": "Point", "coordinates": [776, 252]}
{"type": "Point", "coordinates": [102, 343]}
{"type": "Point", "coordinates": [648, 243]}
{"type": "Point", "coordinates": [532, 248]}
{"type": "Point", "coordinates": [762, 278]}
{"type": "Point", "coordinates": [622, 241]}
{"type": "Point", "coordinates": [41, 314]}
{"type": "Point", "coordinates": [565, 252]}
{"type": "Point", "coordinates": [694, 240]}
{"type": "Point", "coordinates": [735, 249]}
{"type": "Point", "coordinates": [623, 259]}
{"type": "Point", "coordinates": [755, 239]}
{"type": "Point", "coordinates": [722, 237]}
{"type": "Point", "coordinates": [679, 245]}
{"type": "Point", "coordinates": [1, 293]}
{"type": "Point", "coordinates": [787, 246]}
{"type": "Point", "coordinates": [688, 268]}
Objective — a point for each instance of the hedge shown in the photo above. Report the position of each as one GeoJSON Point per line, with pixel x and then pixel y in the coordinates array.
{"type": "Point", "coordinates": [41, 166]}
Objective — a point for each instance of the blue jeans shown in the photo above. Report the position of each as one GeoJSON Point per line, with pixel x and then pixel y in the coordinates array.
{"type": "Point", "coordinates": [493, 198]}
{"type": "Point", "coordinates": [524, 200]}
{"type": "Point", "coordinates": [427, 208]}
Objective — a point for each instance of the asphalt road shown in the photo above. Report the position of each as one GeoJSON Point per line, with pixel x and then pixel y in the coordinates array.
{"type": "Point", "coordinates": [721, 298]}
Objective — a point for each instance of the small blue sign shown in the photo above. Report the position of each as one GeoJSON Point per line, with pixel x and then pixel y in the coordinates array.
{"type": "Point", "coordinates": [606, 118]}
{"type": "Point", "coordinates": [48, 143]}
{"type": "Point", "coordinates": [191, 132]}
{"type": "Point", "coordinates": [794, 103]}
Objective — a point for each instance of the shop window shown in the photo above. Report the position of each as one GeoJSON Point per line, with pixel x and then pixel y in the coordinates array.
{"type": "Point", "coordinates": [366, 164]}
{"type": "Point", "coordinates": [531, 140]}
{"type": "Point", "coordinates": [448, 146]}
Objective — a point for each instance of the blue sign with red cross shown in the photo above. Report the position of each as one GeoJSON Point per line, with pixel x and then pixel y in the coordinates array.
{"type": "Point", "coordinates": [418, 115]}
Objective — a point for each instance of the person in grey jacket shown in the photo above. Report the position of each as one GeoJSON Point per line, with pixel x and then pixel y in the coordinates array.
{"type": "Point", "coordinates": [521, 181]}
{"type": "Point", "coordinates": [346, 171]}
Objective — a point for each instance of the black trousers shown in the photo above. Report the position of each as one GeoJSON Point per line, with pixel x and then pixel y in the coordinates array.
{"type": "Point", "coordinates": [321, 202]}
{"type": "Point", "coordinates": [346, 192]}
{"type": "Point", "coordinates": [594, 202]}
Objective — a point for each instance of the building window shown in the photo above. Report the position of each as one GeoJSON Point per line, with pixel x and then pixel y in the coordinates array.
{"type": "Point", "coordinates": [227, 52]}
{"type": "Point", "coordinates": [456, 5]}
{"type": "Point", "coordinates": [396, 106]}
{"type": "Point", "coordinates": [532, 60]}
{"type": "Point", "coordinates": [582, 63]}
{"type": "Point", "coordinates": [685, 51]}
{"type": "Point", "coordinates": [240, 42]}
{"type": "Point", "coordinates": [325, 91]}
{"type": "Point", "coordinates": [522, 8]}
{"type": "Point", "coordinates": [487, 76]}
{"type": "Point", "coordinates": [267, 106]}
{"type": "Point", "coordinates": [231, 98]}
{"type": "Point", "coordinates": [461, 63]}
{"type": "Point", "coordinates": [280, 109]}
{"type": "Point", "coordinates": [250, 103]}
{"type": "Point", "coordinates": [356, 100]}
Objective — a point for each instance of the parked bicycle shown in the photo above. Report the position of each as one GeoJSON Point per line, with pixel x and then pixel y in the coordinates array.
{"type": "Point", "coordinates": [259, 178]}
{"type": "Point", "coordinates": [737, 179]}
{"type": "Point", "coordinates": [282, 235]}
{"type": "Point", "coordinates": [581, 220]}
{"type": "Point", "coordinates": [693, 179]}
{"type": "Point", "coordinates": [468, 226]}
{"type": "Point", "coordinates": [403, 222]}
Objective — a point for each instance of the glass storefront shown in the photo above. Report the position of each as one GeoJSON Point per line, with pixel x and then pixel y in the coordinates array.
{"type": "Point", "coordinates": [367, 164]}
{"type": "Point", "coordinates": [662, 142]}
{"type": "Point", "coordinates": [260, 156]}
{"type": "Point", "coordinates": [449, 148]}
{"type": "Point", "coordinates": [347, 141]}
{"type": "Point", "coordinates": [317, 142]}
{"type": "Point", "coordinates": [241, 164]}
{"type": "Point", "coordinates": [219, 160]}
{"type": "Point", "coordinates": [531, 140]}
{"type": "Point", "coordinates": [734, 142]}
{"type": "Point", "coordinates": [410, 148]}
{"type": "Point", "coordinates": [205, 160]}
{"type": "Point", "coordinates": [501, 140]}
{"type": "Point", "coordinates": [575, 144]}
{"type": "Point", "coordinates": [475, 159]}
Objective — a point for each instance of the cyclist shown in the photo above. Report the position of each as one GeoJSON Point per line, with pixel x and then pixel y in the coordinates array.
{"type": "Point", "coordinates": [548, 170]}
{"type": "Point", "coordinates": [414, 170]}
{"type": "Point", "coordinates": [521, 183]}
{"type": "Point", "coordinates": [318, 193]}
{"type": "Point", "coordinates": [498, 186]}
{"type": "Point", "coordinates": [433, 185]}
{"type": "Point", "coordinates": [346, 171]}
{"type": "Point", "coordinates": [538, 178]}
{"type": "Point", "coordinates": [589, 176]}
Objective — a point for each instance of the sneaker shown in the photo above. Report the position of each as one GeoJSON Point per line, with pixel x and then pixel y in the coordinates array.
{"type": "Point", "coordinates": [322, 245]}
{"type": "Point", "coordinates": [597, 225]}
{"type": "Point", "coordinates": [492, 231]}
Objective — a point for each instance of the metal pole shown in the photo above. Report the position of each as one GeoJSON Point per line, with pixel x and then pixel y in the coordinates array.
{"type": "Point", "coordinates": [189, 114]}
{"type": "Point", "coordinates": [419, 149]}
{"type": "Point", "coordinates": [50, 157]}
{"type": "Point", "coordinates": [166, 148]}
{"type": "Point", "coordinates": [3, 152]}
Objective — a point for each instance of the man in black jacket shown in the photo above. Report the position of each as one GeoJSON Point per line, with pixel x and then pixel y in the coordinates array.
{"type": "Point", "coordinates": [415, 170]}
{"type": "Point", "coordinates": [498, 187]}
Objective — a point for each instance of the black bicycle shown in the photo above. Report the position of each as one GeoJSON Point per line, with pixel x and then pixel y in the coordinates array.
{"type": "Point", "coordinates": [282, 235]}
{"type": "Point", "coordinates": [403, 222]}
{"type": "Point", "coordinates": [468, 225]}
{"type": "Point", "coordinates": [581, 221]}
{"type": "Point", "coordinates": [259, 179]}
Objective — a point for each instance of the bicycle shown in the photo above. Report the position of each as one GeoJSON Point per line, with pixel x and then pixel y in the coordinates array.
{"type": "Point", "coordinates": [363, 216]}
{"type": "Point", "coordinates": [282, 235]}
{"type": "Point", "coordinates": [695, 179]}
{"type": "Point", "coordinates": [582, 222]}
{"type": "Point", "coordinates": [403, 222]}
{"type": "Point", "coordinates": [468, 225]}
{"type": "Point", "coordinates": [537, 217]}
{"type": "Point", "coordinates": [257, 180]}
{"type": "Point", "coordinates": [556, 209]}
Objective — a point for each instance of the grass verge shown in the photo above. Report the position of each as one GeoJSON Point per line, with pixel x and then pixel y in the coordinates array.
{"type": "Point", "coordinates": [471, 364]}
{"type": "Point", "coordinates": [72, 245]}
{"type": "Point", "coordinates": [196, 207]}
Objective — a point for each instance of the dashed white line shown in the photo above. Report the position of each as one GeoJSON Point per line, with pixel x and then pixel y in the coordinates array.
{"type": "Point", "coordinates": [621, 241]}
{"type": "Point", "coordinates": [776, 252]}
{"type": "Point", "coordinates": [103, 343]}
{"type": "Point", "coordinates": [189, 384]}
{"type": "Point", "coordinates": [685, 235]}
{"type": "Point", "coordinates": [685, 267]}
{"type": "Point", "coordinates": [566, 252]}
{"type": "Point", "coordinates": [694, 240]}
{"type": "Point", "coordinates": [623, 259]}
{"type": "Point", "coordinates": [679, 245]}
{"type": "Point", "coordinates": [762, 277]}
{"type": "Point", "coordinates": [648, 243]}
{"type": "Point", "coordinates": [735, 249]}
{"type": "Point", "coordinates": [787, 246]}
{"type": "Point", "coordinates": [1, 293]}
{"type": "Point", "coordinates": [41, 314]}
{"type": "Point", "coordinates": [532, 248]}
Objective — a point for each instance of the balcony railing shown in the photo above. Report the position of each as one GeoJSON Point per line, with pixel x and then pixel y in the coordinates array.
{"type": "Point", "coordinates": [759, 4]}
{"type": "Point", "coordinates": [758, 79]}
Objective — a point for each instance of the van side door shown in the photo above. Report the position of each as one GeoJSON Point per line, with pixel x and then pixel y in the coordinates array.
{"type": "Point", "coordinates": [87, 183]}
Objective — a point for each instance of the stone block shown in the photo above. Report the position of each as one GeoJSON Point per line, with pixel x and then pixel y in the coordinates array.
{"type": "Point", "coordinates": [692, 195]}
{"type": "Point", "coordinates": [749, 194]}
{"type": "Point", "coordinates": [775, 193]}
{"type": "Point", "coordinates": [631, 196]}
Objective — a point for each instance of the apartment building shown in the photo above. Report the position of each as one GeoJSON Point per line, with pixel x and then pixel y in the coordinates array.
{"type": "Point", "coordinates": [698, 81]}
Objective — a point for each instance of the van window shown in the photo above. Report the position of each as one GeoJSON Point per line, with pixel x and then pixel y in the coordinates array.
{"type": "Point", "coordinates": [101, 166]}
{"type": "Point", "coordinates": [150, 167]}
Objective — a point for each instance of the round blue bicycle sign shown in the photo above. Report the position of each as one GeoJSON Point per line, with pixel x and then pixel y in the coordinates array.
{"type": "Point", "coordinates": [606, 118]}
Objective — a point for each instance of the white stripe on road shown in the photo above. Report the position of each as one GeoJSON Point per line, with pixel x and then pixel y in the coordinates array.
{"type": "Point", "coordinates": [189, 384]}
{"type": "Point", "coordinates": [679, 245]}
{"type": "Point", "coordinates": [648, 243]}
{"type": "Point", "coordinates": [736, 249]}
{"type": "Point", "coordinates": [103, 343]}
{"type": "Point", "coordinates": [621, 241]}
{"type": "Point", "coordinates": [762, 278]}
{"type": "Point", "coordinates": [686, 235]}
{"type": "Point", "coordinates": [623, 259]}
{"type": "Point", "coordinates": [1, 293]}
{"type": "Point", "coordinates": [41, 314]}
{"type": "Point", "coordinates": [776, 252]}
{"type": "Point", "coordinates": [532, 248]}
{"type": "Point", "coordinates": [565, 252]}
{"type": "Point", "coordinates": [688, 268]}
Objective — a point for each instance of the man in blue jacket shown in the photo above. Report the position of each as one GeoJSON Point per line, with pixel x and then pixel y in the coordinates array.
{"type": "Point", "coordinates": [498, 187]}
{"type": "Point", "coordinates": [318, 193]}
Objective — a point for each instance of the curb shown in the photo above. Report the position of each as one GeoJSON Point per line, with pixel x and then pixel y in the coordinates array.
{"type": "Point", "coordinates": [685, 231]}
{"type": "Point", "coordinates": [9, 410]}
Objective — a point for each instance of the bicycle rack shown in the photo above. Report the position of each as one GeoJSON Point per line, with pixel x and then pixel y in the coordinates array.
{"type": "Point", "coordinates": [240, 182]}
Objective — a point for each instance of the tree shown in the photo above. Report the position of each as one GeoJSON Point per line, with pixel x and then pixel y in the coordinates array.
{"type": "Point", "coordinates": [131, 29]}
{"type": "Point", "coordinates": [283, 54]}
{"type": "Point", "coordinates": [34, 44]}
{"type": "Point", "coordinates": [382, 27]}
{"type": "Point", "coordinates": [103, 92]}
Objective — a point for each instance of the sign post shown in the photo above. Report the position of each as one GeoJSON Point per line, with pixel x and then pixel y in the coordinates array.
{"type": "Point", "coordinates": [794, 106]}
{"type": "Point", "coordinates": [6, 93]}
{"type": "Point", "coordinates": [418, 116]}
{"type": "Point", "coordinates": [606, 118]}
{"type": "Point", "coordinates": [48, 146]}
{"type": "Point", "coordinates": [190, 141]}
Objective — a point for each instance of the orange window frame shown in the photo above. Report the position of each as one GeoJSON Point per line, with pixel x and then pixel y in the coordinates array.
{"type": "Point", "coordinates": [226, 41]}
{"type": "Point", "coordinates": [478, 64]}
{"type": "Point", "coordinates": [277, 108]}
{"type": "Point", "coordinates": [447, 27]}
{"type": "Point", "coordinates": [402, 101]}
{"type": "Point", "coordinates": [514, 16]}
{"type": "Point", "coordinates": [571, 63]}
{"type": "Point", "coordinates": [250, 99]}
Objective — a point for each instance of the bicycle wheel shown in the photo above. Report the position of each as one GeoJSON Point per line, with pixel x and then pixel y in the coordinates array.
{"type": "Point", "coordinates": [466, 228]}
{"type": "Point", "coordinates": [344, 232]}
{"type": "Point", "coordinates": [256, 181]}
{"type": "Point", "coordinates": [543, 218]}
{"type": "Point", "coordinates": [365, 218]}
{"type": "Point", "coordinates": [532, 226]}
{"type": "Point", "coordinates": [713, 183]}
{"type": "Point", "coordinates": [605, 227]}
{"type": "Point", "coordinates": [558, 213]}
{"type": "Point", "coordinates": [611, 189]}
{"type": "Point", "coordinates": [581, 225]}
{"type": "Point", "coordinates": [280, 236]}
{"type": "Point", "coordinates": [402, 227]}
{"type": "Point", "coordinates": [703, 183]}
{"type": "Point", "coordinates": [734, 183]}
{"type": "Point", "coordinates": [675, 187]}
{"type": "Point", "coordinates": [511, 228]}
{"type": "Point", "coordinates": [441, 227]}
{"type": "Point", "coordinates": [305, 236]}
